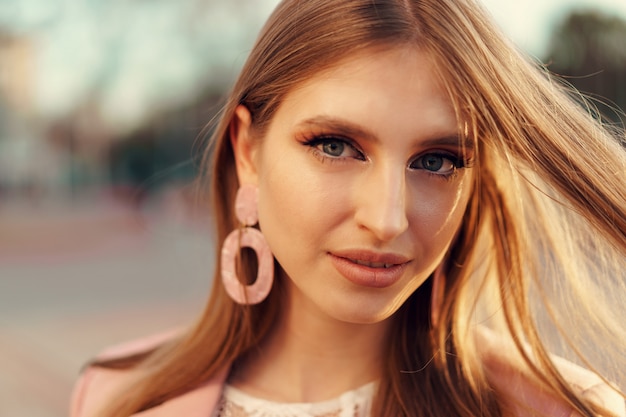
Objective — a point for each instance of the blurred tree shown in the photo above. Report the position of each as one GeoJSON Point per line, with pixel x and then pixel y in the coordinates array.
{"type": "Point", "coordinates": [589, 50]}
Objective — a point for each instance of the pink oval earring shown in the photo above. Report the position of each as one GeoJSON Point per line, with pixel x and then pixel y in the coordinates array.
{"type": "Point", "coordinates": [246, 204]}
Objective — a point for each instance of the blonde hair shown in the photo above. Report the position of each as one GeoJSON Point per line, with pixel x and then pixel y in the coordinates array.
{"type": "Point", "coordinates": [547, 217]}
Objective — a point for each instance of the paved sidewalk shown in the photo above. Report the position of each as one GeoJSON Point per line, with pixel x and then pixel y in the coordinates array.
{"type": "Point", "coordinates": [79, 278]}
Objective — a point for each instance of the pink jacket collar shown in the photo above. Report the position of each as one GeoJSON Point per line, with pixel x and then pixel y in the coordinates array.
{"type": "Point", "coordinates": [97, 386]}
{"type": "Point", "coordinates": [199, 402]}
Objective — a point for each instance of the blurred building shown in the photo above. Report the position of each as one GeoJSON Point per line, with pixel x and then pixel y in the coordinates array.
{"type": "Point", "coordinates": [26, 163]}
{"type": "Point", "coordinates": [112, 96]}
{"type": "Point", "coordinates": [17, 61]}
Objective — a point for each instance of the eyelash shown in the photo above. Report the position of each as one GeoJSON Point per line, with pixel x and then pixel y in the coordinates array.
{"type": "Point", "coordinates": [317, 140]}
{"type": "Point", "coordinates": [457, 163]}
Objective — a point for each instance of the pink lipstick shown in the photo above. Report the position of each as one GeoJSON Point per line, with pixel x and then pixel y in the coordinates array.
{"type": "Point", "coordinates": [369, 269]}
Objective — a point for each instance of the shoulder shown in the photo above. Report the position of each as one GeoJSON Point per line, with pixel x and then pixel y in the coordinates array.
{"type": "Point", "coordinates": [509, 376]}
{"type": "Point", "coordinates": [590, 386]}
{"type": "Point", "coordinates": [97, 385]}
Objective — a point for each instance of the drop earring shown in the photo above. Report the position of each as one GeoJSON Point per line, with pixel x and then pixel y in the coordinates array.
{"type": "Point", "coordinates": [246, 210]}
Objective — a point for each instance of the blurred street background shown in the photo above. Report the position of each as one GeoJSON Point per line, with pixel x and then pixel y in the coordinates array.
{"type": "Point", "coordinates": [103, 237]}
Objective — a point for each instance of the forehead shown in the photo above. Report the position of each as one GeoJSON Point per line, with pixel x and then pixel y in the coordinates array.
{"type": "Point", "coordinates": [395, 90]}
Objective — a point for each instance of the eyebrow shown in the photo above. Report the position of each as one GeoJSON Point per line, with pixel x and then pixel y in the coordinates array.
{"type": "Point", "coordinates": [351, 130]}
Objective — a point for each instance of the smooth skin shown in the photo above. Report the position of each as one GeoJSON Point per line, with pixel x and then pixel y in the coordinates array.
{"type": "Point", "coordinates": [363, 183]}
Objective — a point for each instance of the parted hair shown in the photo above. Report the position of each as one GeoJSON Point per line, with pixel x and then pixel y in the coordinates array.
{"type": "Point", "coordinates": [540, 254]}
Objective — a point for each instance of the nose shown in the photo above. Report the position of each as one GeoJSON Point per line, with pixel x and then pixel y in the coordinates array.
{"type": "Point", "coordinates": [381, 203]}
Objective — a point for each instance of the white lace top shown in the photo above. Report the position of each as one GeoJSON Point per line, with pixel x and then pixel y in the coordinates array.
{"type": "Point", "coordinates": [235, 403]}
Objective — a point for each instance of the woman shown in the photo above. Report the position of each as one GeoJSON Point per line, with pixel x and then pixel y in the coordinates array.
{"type": "Point", "coordinates": [425, 208]}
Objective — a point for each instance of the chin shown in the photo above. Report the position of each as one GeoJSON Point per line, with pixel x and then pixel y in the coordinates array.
{"type": "Point", "coordinates": [362, 312]}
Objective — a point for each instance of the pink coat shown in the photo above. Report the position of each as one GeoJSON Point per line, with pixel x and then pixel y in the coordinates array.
{"type": "Point", "coordinates": [97, 386]}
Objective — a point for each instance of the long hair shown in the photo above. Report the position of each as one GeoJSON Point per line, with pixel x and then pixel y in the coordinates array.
{"type": "Point", "coordinates": [542, 240]}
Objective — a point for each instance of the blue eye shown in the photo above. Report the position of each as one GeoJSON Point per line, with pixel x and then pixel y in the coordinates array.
{"type": "Point", "coordinates": [432, 162]}
{"type": "Point", "coordinates": [333, 147]}
{"type": "Point", "coordinates": [440, 164]}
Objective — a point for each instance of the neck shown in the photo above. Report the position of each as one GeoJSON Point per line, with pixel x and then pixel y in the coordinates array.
{"type": "Point", "coordinates": [310, 357]}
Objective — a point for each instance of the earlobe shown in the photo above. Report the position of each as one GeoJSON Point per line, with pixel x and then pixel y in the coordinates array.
{"type": "Point", "coordinates": [243, 146]}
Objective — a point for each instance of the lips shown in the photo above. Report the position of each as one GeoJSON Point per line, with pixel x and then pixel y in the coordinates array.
{"type": "Point", "coordinates": [370, 269]}
{"type": "Point", "coordinates": [372, 264]}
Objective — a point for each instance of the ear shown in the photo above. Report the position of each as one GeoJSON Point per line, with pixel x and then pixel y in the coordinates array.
{"type": "Point", "coordinates": [244, 149]}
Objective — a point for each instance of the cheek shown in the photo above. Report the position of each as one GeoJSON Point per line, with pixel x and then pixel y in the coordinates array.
{"type": "Point", "coordinates": [438, 211]}
{"type": "Point", "coordinates": [296, 202]}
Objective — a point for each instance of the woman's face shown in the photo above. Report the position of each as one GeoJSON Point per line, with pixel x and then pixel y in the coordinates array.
{"type": "Point", "coordinates": [362, 183]}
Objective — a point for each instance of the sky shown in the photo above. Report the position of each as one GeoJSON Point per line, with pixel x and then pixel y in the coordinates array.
{"type": "Point", "coordinates": [137, 56]}
{"type": "Point", "coordinates": [529, 22]}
